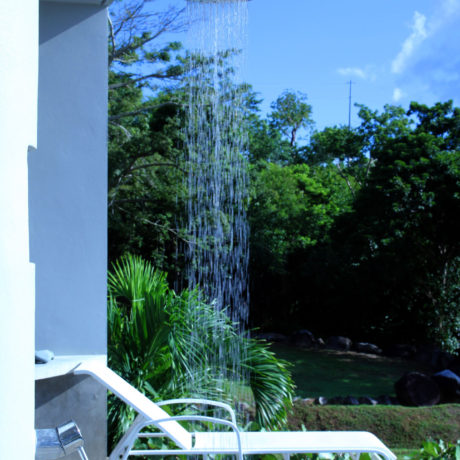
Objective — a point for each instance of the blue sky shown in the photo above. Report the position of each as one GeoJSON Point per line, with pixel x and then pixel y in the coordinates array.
{"type": "Point", "coordinates": [394, 51]}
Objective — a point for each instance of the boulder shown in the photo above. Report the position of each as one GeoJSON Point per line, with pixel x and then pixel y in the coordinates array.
{"type": "Point", "coordinates": [433, 356]}
{"type": "Point", "coordinates": [370, 348]}
{"type": "Point", "coordinates": [454, 364]}
{"type": "Point", "coordinates": [351, 401]}
{"type": "Point", "coordinates": [339, 343]}
{"type": "Point", "coordinates": [367, 400]}
{"type": "Point", "coordinates": [337, 401]}
{"type": "Point", "coordinates": [273, 337]}
{"type": "Point", "coordinates": [320, 342]}
{"type": "Point", "coordinates": [401, 350]}
{"type": "Point", "coordinates": [321, 401]}
{"type": "Point", "coordinates": [449, 384]}
{"type": "Point", "coordinates": [384, 400]}
{"type": "Point", "coordinates": [303, 338]}
{"type": "Point", "coordinates": [417, 389]}
{"type": "Point", "coordinates": [246, 410]}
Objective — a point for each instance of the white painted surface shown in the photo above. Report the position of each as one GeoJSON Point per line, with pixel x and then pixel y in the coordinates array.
{"type": "Point", "coordinates": [62, 365]}
{"type": "Point", "coordinates": [18, 131]}
{"type": "Point", "coordinates": [68, 181]}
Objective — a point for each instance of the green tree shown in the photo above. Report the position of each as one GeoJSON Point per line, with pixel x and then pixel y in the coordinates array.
{"type": "Point", "coordinates": [291, 210]}
{"type": "Point", "coordinates": [350, 149]}
{"type": "Point", "coordinates": [135, 30]}
{"type": "Point", "coordinates": [145, 156]}
{"type": "Point", "coordinates": [343, 148]}
{"type": "Point", "coordinates": [146, 173]}
{"type": "Point", "coordinates": [291, 113]}
{"type": "Point", "coordinates": [265, 142]}
{"type": "Point", "coordinates": [400, 244]}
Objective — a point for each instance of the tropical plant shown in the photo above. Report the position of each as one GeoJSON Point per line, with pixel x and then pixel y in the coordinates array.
{"type": "Point", "coordinates": [163, 342]}
{"type": "Point", "coordinates": [437, 450]}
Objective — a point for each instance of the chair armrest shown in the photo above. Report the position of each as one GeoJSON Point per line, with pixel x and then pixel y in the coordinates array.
{"type": "Point", "coordinates": [200, 401]}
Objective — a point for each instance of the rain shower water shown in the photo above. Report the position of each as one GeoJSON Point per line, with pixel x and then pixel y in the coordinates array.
{"type": "Point", "coordinates": [217, 177]}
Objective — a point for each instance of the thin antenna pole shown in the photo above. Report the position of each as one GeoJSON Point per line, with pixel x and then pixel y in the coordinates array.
{"type": "Point", "coordinates": [349, 106]}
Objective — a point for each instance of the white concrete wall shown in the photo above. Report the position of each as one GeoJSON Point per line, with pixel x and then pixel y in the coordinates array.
{"type": "Point", "coordinates": [68, 181]}
{"type": "Point", "coordinates": [18, 128]}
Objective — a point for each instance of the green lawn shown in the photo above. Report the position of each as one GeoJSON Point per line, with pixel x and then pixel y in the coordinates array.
{"type": "Point", "coordinates": [333, 373]}
{"type": "Point", "coordinates": [397, 426]}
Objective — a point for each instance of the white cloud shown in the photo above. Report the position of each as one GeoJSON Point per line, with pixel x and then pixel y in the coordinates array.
{"type": "Point", "coordinates": [398, 94]}
{"type": "Point", "coordinates": [418, 35]}
{"type": "Point", "coordinates": [358, 72]}
{"type": "Point", "coordinates": [432, 70]}
{"type": "Point", "coordinates": [450, 7]}
{"type": "Point", "coordinates": [352, 72]}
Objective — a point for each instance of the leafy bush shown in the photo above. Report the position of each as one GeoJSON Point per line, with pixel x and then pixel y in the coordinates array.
{"type": "Point", "coordinates": [437, 450]}
{"type": "Point", "coordinates": [163, 343]}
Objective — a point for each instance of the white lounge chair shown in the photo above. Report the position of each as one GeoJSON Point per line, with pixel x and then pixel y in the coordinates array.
{"type": "Point", "coordinates": [229, 443]}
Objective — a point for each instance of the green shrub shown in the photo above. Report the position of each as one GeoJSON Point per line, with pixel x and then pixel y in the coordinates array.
{"type": "Point", "coordinates": [437, 450]}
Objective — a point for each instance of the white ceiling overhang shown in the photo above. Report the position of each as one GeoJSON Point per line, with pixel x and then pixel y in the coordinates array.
{"type": "Point", "coordinates": [86, 2]}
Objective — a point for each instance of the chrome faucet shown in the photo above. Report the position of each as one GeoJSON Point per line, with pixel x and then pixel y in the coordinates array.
{"type": "Point", "coordinates": [59, 442]}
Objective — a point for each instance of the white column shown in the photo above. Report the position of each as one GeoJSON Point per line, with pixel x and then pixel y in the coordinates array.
{"type": "Point", "coordinates": [18, 128]}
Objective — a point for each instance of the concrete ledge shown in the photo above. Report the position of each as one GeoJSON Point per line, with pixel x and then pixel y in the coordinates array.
{"type": "Point", "coordinates": [62, 365]}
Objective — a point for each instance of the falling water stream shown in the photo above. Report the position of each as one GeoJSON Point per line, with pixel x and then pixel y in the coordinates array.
{"type": "Point", "coordinates": [217, 177]}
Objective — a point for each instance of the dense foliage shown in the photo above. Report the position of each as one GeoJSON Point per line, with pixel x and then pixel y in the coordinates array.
{"type": "Point", "coordinates": [359, 235]}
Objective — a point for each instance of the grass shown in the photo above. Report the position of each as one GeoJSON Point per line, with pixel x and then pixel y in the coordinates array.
{"type": "Point", "coordinates": [333, 373]}
{"type": "Point", "coordinates": [397, 426]}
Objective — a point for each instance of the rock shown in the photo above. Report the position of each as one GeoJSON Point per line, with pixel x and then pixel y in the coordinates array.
{"type": "Point", "coordinates": [427, 354]}
{"type": "Point", "coordinates": [273, 337]}
{"type": "Point", "coordinates": [367, 400]}
{"type": "Point", "coordinates": [246, 410]}
{"type": "Point", "coordinates": [449, 384]}
{"type": "Point", "coordinates": [303, 338]}
{"type": "Point", "coordinates": [401, 350]}
{"type": "Point", "coordinates": [337, 401]}
{"type": "Point", "coordinates": [445, 360]}
{"type": "Point", "coordinates": [454, 364]}
{"type": "Point", "coordinates": [351, 401]}
{"type": "Point", "coordinates": [339, 343]}
{"type": "Point", "coordinates": [370, 348]}
{"type": "Point", "coordinates": [321, 401]}
{"type": "Point", "coordinates": [417, 389]}
{"type": "Point", "coordinates": [434, 357]}
{"type": "Point", "coordinates": [384, 400]}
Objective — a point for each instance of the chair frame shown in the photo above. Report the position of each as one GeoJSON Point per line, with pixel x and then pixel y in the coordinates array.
{"type": "Point", "coordinates": [151, 414]}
